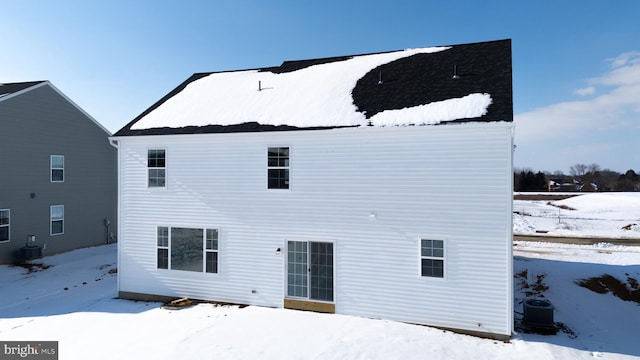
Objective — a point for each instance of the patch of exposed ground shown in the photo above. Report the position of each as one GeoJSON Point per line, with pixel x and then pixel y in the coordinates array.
{"type": "Point", "coordinates": [563, 207]}
{"type": "Point", "coordinates": [35, 267]}
{"type": "Point", "coordinates": [541, 197]}
{"type": "Point", "coordinates": [536, 288]}
{"type": "Point", "coordinates": [185, 302]}
{"type": "Point", "coordinates": [628, 290]}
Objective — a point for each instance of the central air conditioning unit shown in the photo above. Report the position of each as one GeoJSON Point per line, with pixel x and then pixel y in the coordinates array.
{"type": "Point", "coordinates": [30, 251]}
{"type": "Point", "coordinates": [538, 313]}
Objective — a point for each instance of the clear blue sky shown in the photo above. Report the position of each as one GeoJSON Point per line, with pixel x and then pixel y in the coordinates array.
{"type": "Point", "coordinates": [576, 64]}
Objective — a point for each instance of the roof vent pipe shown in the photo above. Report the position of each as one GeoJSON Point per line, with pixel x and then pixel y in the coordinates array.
{"type": "Point", "coordinates": [455, 72]}
{"type": "Point", "coordinates": [380, 78]}
{"type": "Point", "coordinates": [259, 85]}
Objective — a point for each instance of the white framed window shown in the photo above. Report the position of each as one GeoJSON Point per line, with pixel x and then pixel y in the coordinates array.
{"type": "Point", "coordinates": [156, 167]}
{"type": "Point", "coordinates": [278, 168]}
{"type": "Point", "coordinates": [432, 258]}
{"type": "Point", "coordinates": [56, 219]}
{"type": "Point", "coordinates": [57, 168]}
{"type": "Point", "coordinates": [5, 225]}
{"type": "Point", "coordinates": [211, 251]}
{"type": "Point", "coordinates": [187, 249]}
{"type": "Point", "coordinates": [163, 247]}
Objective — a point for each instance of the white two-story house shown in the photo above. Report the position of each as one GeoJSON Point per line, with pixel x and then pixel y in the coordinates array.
{"type": "Point", "coordinates": [376, 185]}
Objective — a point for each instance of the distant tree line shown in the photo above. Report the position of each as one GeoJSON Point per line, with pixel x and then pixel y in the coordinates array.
{"type": "Point", "coordinates": [581, 177]}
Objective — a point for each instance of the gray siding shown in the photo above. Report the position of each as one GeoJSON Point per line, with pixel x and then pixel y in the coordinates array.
{"type": "Point", "coordinates": [35, 125]}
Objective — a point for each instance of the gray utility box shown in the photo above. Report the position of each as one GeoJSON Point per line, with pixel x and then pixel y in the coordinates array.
{"type": "Point", "coordinates": [30, 252]}
{"type": "Point", "coordinates": [538, 313]}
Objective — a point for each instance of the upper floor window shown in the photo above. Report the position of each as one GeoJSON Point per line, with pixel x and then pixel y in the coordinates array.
{"type": "Point", "coordinates": [57, 168]}
{"type": "Point", "coordinates": [432, 258]}
{"type": "Point", "coordinates": [5, 222]}
{"type": "Point", "coordinates": [156, 164]}
{"type": "Point", "coordinates": [56, 219]}
{"type": "Point", "coordinates": [278, 168]}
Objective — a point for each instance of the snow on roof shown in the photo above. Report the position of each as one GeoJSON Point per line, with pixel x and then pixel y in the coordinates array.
{"type": "Point", "coordinates": [470, 106]}
{"type": "Point", "coordinates": [302, 98]}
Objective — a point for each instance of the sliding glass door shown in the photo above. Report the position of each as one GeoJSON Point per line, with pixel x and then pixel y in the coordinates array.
{"type": "Point", "coordinates": [310, 270]}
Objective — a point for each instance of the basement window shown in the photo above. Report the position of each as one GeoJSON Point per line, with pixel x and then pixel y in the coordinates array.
{"type": "Point", "coordinates": [432, 258]}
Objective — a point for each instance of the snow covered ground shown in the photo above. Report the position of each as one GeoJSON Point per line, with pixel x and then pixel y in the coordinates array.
{"type": "Point", "coordinates": [71, 299]}
{"type": "Point", "coordinates": [614, 215]}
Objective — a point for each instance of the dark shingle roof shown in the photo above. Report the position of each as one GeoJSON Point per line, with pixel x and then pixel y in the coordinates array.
{"type": "Point", "coordinates": [11, 88]}
{"type": "Point", "coordinates": [291, 66]}
{"type": "Point", "coordinates": [426, 78]}
{"type": "Point", "coordinates": [419, 79]}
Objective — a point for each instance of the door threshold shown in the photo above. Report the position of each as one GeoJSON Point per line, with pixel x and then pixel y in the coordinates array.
{"type": "Point", "coordinates": [309, 305]}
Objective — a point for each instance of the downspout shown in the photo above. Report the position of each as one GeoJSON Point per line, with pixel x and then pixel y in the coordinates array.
{"type": "Point", "coordinates": [114, 142]}
{"type": "Point", "coordinates": [107, 223]}
{"type": "Point", "coordinates": [107, 231]}
{"type": "Point", "coordinates": [510, 286]}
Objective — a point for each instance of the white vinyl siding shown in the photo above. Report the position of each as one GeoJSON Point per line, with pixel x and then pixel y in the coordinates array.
{"type": "Point", "coordinates": [412, 178]}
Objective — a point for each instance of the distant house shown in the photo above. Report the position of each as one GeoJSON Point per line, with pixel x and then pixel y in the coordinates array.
{"type": "Point", "coordinates": [570, 185]}
{"type": "Point", "coordinates": [58, 188]}
{"type": "Point", "coordinates": [338, 185]}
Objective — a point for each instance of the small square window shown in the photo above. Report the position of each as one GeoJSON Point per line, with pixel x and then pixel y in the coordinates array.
{"type": "Point", "coordinates": [432, 268]}
{"type": "Point", "coordinates": [432, 258]}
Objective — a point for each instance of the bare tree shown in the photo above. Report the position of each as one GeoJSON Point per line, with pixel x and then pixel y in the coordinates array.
{"type": "Point", "coordinates": [593, 179]}
{"type": "Point", "coordinates": [578, 170]}
{"type": "Point", "coordinates": [608, 180]}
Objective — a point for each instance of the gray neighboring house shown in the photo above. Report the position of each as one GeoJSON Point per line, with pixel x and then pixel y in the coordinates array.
{"type": "Point", "coordinates": [58, 174]}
